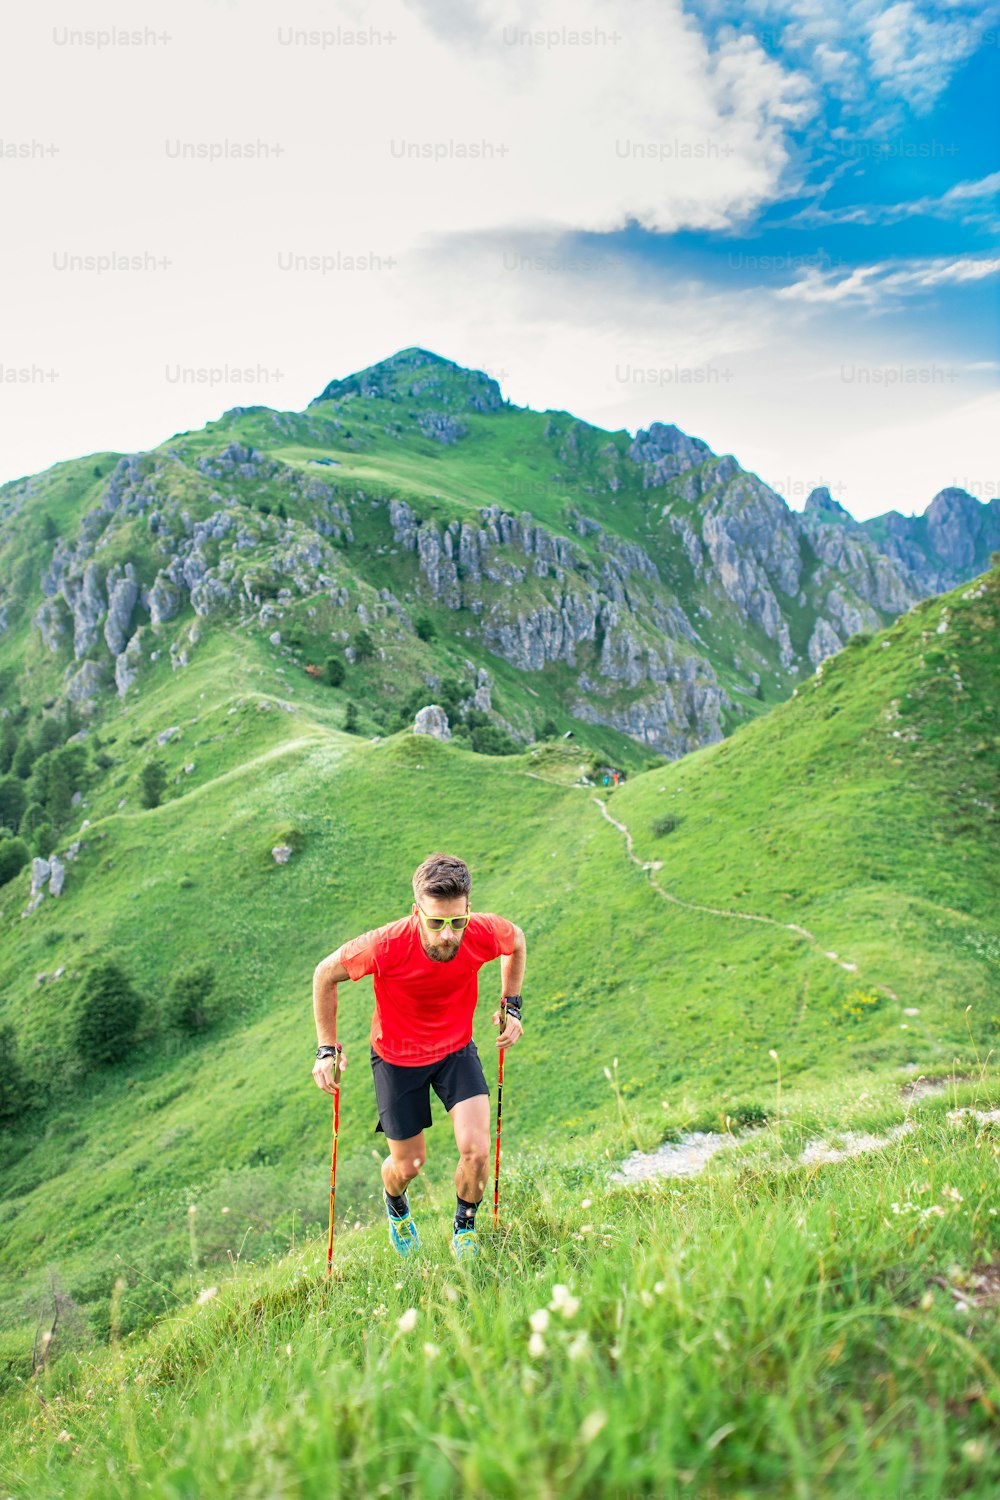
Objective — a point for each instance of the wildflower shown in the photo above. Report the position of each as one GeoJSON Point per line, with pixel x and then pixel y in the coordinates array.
{"type": "Point", "coordinates": [953, 1194]}
{"type": "Point", "coordinates": [432, 1351]}
{"type": "Point", "coordinates": [539, 1320]}
{"type": "Point", "coordinates": [207, 1294]}
{"type": "Point", "coordinates": [224, 1210]}
{"type": "Point", "coordinates": [579, 1348]}
{"type": "Point", "coordinates": [408, 1321]}
{"type": "Point", "coordinates": [974, 1450]}
{"type": "Point", "coordinates": [586, 1203]}
{"type": "Point", "coordinates": [192, 1208]}
{"type": "Point", "coordinates": [563, 1302]}
{"type": "Point", "coordinates": [536, 1346]}
{"type": "Point", "coordinates": [591, 1425]}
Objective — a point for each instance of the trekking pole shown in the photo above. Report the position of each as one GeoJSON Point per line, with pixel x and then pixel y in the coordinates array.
{"type": "Point", "coordinates": [496, 1164]}
{"type": "Point", "coordinates": [333, 1164]}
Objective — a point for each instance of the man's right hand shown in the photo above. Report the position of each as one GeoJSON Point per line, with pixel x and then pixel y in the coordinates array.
{"type": "Point", "coordinates": [323, 1071]}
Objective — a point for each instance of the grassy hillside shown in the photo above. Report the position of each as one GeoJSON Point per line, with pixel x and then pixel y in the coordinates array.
{"type": "Point", "coordinates": [772, 1329]}
{"type": "Point", "coordinates": [827, 891]}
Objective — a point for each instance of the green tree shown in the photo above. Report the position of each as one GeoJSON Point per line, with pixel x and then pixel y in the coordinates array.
{"type": "Point", "coordinates": [8, 746]}
{"type": "Point", "coordinates": [107, 1014]}
{"type": "Point", "coordinates": [24, 758]}
{"type": "Point", "coordinates": [549, 730]}
{"type": "Point", "coordinates": [12, 1088]}
{"type": "Point", "coordinates": [351, 719]}
{"type": "Point", "coordinates": [487, 739]}
{"type": "Point", "coordinates": [59, 801]}
{"type": "Point", "coordinates": [44, 840]}
{"type": "Point", "coordinates": [426, 628]}
{"type": "Point", "coordinates": [152, 783]}
{"type": "Point", "coordinates": [31, 820]}
{"type": "Point", "coordinates": [14, 856]}
{"type": "Point", "coordinates": [50, 734]}
{"type": "Point", "coordinates": [335, 671]}
{"type": "Point", "coordinates": [13, 801]}
{"type": "Point", "coordinates": [364, 646]}
{"type": "Point", "coordinates": [187, 1002]}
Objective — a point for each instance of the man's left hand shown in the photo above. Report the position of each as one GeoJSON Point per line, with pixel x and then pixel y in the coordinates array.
{"type": "Point", "coordinates": [512, 1032]}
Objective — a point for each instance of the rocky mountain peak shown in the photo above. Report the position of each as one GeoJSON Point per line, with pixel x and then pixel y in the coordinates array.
{"type": "Point", "coordinates": [822, 504]}
{"type": "Point", "coordinates": [422, 377]}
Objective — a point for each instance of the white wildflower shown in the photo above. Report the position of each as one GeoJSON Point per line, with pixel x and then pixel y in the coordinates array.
{"type": "Point", "coordinates": [408, 1321]}
{"type": "Point", "coordinates": [539, 1320]}
{"type": "Point", "coordinates": [563, 1302]}
{"type": "Point", "coordinates": [536, 1346]}
{"type": "Point", "coordinates": [207, 1295]}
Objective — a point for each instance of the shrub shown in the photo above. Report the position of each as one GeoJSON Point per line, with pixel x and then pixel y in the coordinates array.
{"type": "Point", "coordinates": [426, 628]}
{"type": "Point", "coordinates": [187, 1003]}
{"type": "Point", "coordinates": [661, 826]}
{"type": "Point", "coordinates": [13, 801]}
{"type": "Point", "coordinates": [487, 739]}
{"type": "Point", "coordinates": [364, 646]}
{"type": "Point", "coordinates": [549, 730]}
{"type": "Point", "coordinates": [152, 783]}
{"type": "Point", "coordinates": [107, 1015]}
{"type": "Point", "coordinates": [351, 719]}
{"type": "Point", "coordinates": [753, 1115]}
{"type": "Point", "coordinates": [335, 671]}
{"type": "Point", "coordinates": [13, 858]}
{"type": "Point", "coordinates": [12, 1090]}
{"type": "Point", "coordinates": [44, 841]}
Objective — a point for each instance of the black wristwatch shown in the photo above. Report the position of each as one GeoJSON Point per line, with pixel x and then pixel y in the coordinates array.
{"type": "Point", "coordinates": [326, 1051]}
{"type": "Point", "coordinates": [513, 1004]}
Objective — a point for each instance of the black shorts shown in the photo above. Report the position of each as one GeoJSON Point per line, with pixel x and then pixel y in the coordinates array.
{"type": "Point", "coordinates": [403, 1094]}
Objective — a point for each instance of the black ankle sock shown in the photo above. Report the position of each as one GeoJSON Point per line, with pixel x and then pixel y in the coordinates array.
{"type": "Point", "coordinates": [465, 1214]}
{"type": "Point", "coordinates": [398, 1207]}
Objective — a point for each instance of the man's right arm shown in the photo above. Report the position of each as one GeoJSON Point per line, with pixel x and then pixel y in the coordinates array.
{"type": "Point", "coordinates": [328, 973]}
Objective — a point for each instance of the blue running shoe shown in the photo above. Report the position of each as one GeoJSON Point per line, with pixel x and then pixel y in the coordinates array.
{"type": "Point", "coordinates": [465, 1244]}
{"type": "Point", "coordinates": [402, 1231]}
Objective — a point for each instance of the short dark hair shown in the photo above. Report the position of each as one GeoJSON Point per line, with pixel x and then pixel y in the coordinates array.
{"type": "Point", "coordinates": [442, 876]}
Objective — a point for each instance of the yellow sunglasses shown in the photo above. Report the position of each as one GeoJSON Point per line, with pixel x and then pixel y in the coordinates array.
{"type": "Point", "coordinates": [436, 924]}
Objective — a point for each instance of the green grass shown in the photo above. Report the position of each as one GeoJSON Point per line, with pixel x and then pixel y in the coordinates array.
{"type": "Point", "coordinates": [766, 1329]}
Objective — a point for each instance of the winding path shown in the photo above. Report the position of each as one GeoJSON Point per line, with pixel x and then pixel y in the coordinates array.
{"type": "Point", "coordinates": [651, 866]}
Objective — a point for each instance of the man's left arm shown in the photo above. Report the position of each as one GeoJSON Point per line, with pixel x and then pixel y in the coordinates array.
{"type": "Point", "coordinates": [511, 978]}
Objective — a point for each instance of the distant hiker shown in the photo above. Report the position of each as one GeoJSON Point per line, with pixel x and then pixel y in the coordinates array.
{"type": "Point", "coordinates": [605, 781]}
{"type": "Point", "coordinates": [426, 987]}
{"type": "Point", "coordinates": [616, 778]}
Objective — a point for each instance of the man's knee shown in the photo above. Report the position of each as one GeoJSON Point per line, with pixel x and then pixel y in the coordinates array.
{"type": "Point", "coordinates": [474, 1150]}
{"type": "Point", "coordinates": [408, 1163]}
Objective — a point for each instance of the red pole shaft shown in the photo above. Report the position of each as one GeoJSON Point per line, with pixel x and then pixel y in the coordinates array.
{"type": "Point", "coordinates": [496, 1164]}
{"type": "Point", "coordinates": [333, 1164]}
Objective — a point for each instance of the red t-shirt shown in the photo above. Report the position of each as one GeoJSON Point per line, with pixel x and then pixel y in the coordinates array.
{"type": "Point", "coordinates": [424, 1008]}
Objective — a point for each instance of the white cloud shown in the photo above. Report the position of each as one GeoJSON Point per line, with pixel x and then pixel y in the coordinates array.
{"type": "Point", "coordinates": [886, 280]}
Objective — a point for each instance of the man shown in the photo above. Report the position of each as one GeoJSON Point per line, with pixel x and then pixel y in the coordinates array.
{"type": "Point", "coordinates": [425, 969]}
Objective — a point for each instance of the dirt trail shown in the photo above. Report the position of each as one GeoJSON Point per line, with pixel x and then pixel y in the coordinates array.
{"type": "Point", "coordinates": [651, 866]}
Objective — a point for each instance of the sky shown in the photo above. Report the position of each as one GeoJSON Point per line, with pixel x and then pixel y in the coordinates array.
{"type": "Point", "coordinates": [773, 223]}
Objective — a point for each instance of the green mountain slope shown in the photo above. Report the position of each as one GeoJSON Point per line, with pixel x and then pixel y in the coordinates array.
{"type": "Point", "coordinates": [642, 592]}
{"type": "Point", "coordinates": [833, 875]}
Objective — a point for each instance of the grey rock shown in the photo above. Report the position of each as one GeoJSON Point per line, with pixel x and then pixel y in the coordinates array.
{"type": "Point", "coordinates": [85, 686]}
{"type": "Point", "coordinates": [123, 591]}
{"type": "Point", "coordinates": [57, 877]}
{"type": "Point", "coordinates": [281, 854]}
{"type": "Point", "coordinates": [432, 720]}
{"type": "Point", "coordinates": [166, 735]}
{"type": "Point", "coordinates": [823, 642]}
{"type": "Point", "coordinates": [163, 601]}
{"type": "Point", "coordinates": [664, 451]}
{"type": "Point", "coordinates": [52, 620]}
{"type": "Point", "coordinates": [127, 664]}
